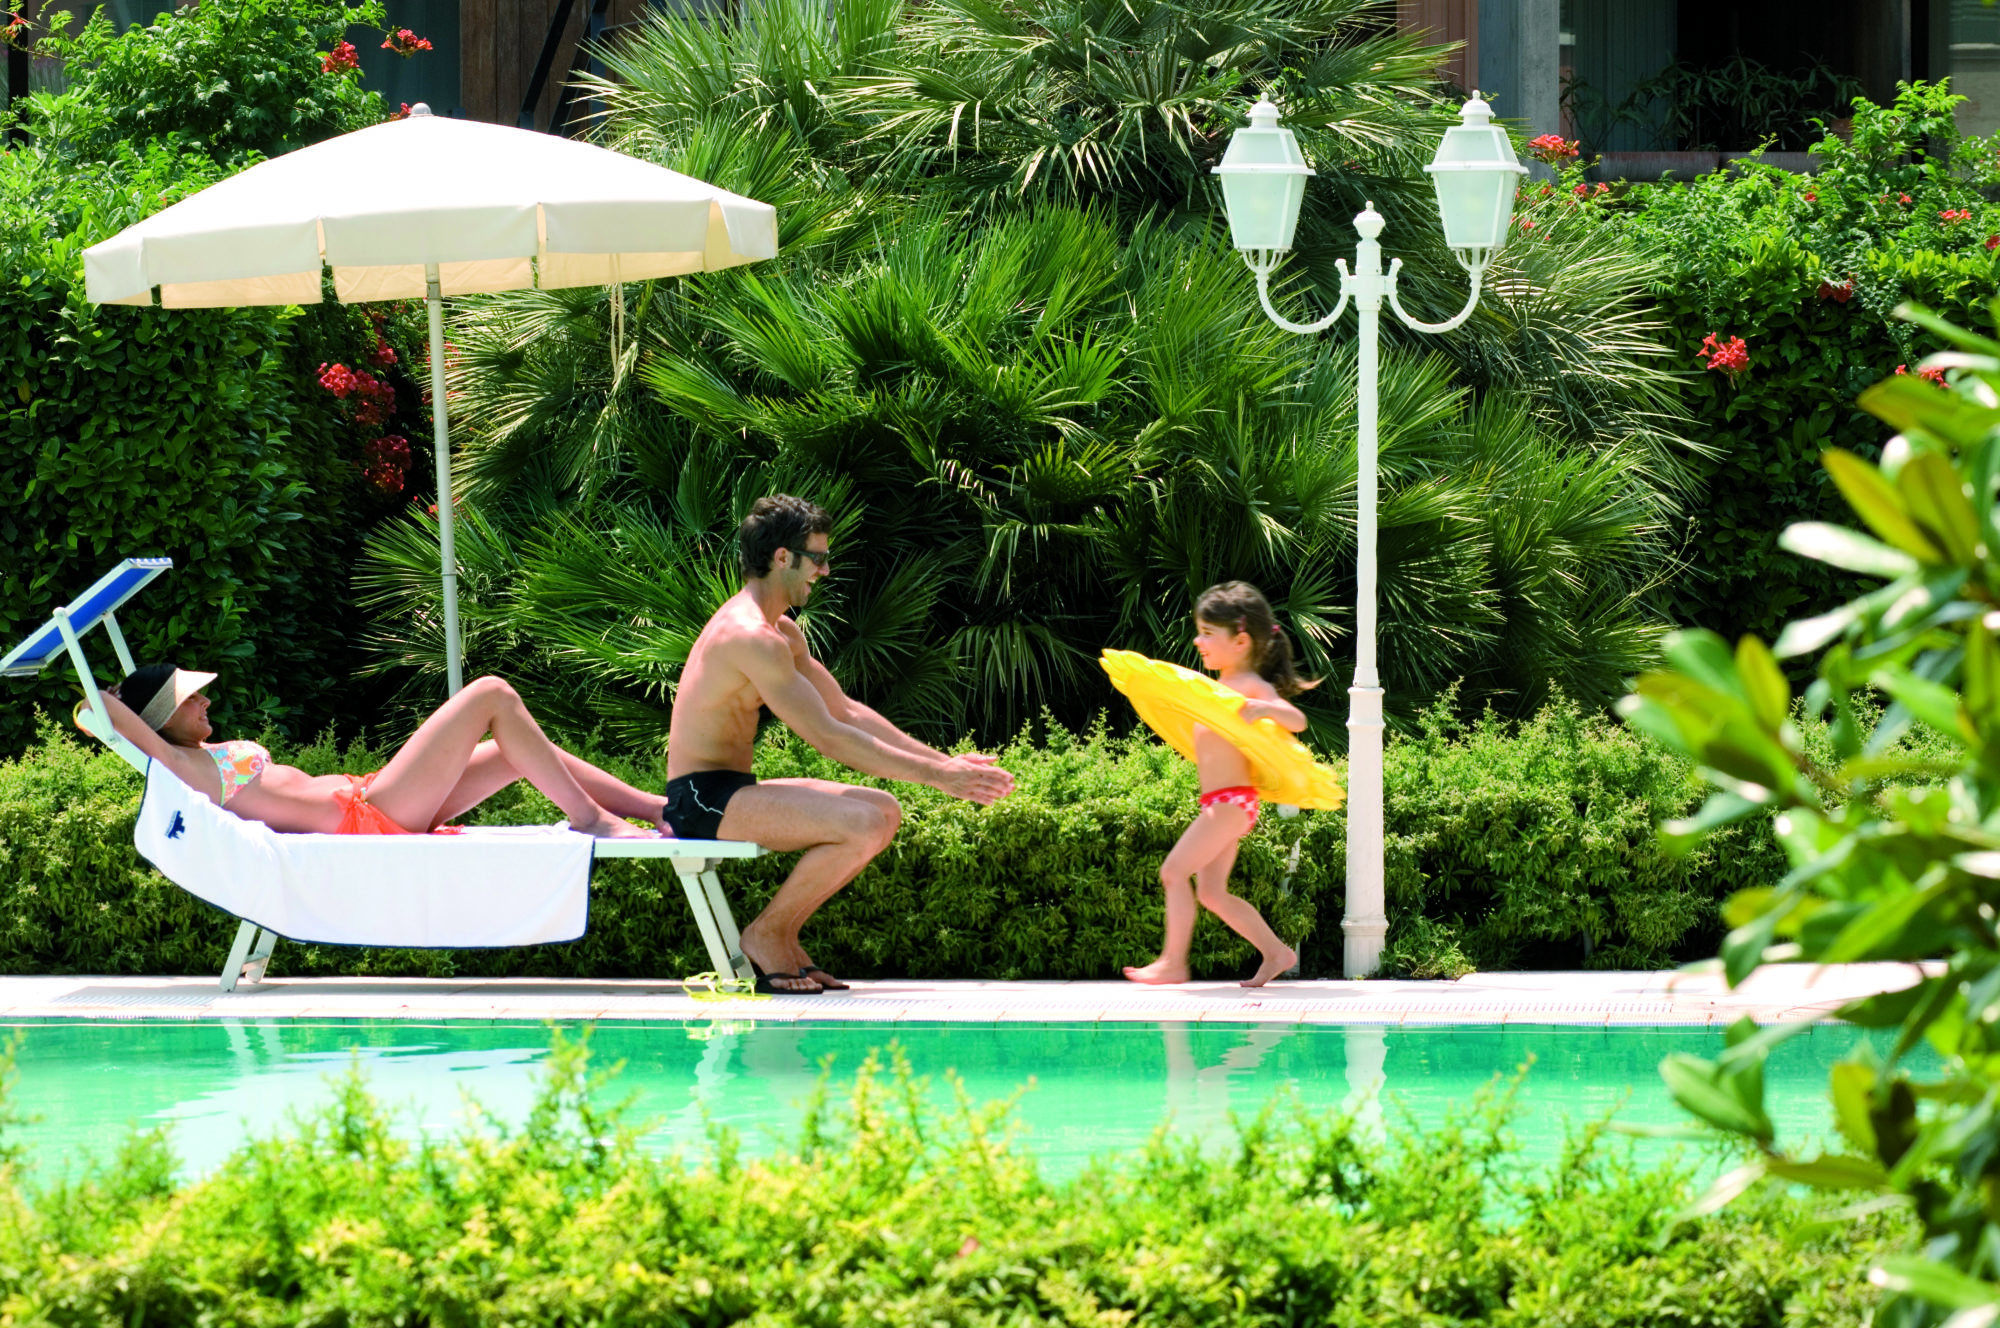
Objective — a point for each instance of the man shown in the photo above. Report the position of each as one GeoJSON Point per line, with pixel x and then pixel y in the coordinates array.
{"type": "Point", "coordinates": [750, 655]}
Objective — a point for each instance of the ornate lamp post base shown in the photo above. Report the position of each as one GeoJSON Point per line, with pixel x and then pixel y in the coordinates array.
{"type": "Point", "coordinates": [1367, 922]}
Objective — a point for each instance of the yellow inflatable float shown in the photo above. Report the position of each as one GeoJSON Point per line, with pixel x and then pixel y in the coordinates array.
{"type": "Point", "coordinates": [1172, 700]}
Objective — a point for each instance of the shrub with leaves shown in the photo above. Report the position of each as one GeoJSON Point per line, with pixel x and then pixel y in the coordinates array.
{"type": "Point", "coordinates": [1803, 271]}
{"type": "Point", "coordinates": [1894, 853]}
{"type": "Point", "coordinates": [237, 81]}
{"type": "Point", "coordinates": [885, 1210]}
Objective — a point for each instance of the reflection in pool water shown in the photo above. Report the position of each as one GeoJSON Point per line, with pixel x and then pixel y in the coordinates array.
{"type": "Point", "coordinates": [1091, 1089]}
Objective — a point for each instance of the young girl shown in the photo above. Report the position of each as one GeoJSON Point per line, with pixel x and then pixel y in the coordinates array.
{"type": "Point", "coordinates": [1239, 641]}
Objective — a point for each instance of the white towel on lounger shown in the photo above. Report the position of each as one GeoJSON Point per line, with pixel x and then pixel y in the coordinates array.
{"type": "Point", "coordinates": [487, 886]}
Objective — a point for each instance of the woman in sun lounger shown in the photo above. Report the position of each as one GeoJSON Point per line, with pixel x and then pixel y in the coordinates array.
{"type": "Point", "coordinates": [448, 766]}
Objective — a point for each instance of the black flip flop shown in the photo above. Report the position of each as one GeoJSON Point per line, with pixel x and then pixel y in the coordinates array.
{"type": "Point", "coordinates": [764, 982]}
{"type": "Point", "coordinates": [826, 980]}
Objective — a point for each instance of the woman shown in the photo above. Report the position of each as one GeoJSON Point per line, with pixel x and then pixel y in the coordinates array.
{"type": "Point", "coordinates": [447, 768]}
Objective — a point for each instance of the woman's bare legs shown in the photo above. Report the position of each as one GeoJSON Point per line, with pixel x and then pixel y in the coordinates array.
{"type": "Point", "coordinates": [412, 789]}
{"type": "Point", "coordinates": [489, 771]}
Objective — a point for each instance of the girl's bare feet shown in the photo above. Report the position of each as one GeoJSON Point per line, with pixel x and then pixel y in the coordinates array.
{"type": "Point", "coordinates": [1159, 973]}
{"type": "Point", "coordinates": [1286, 959]}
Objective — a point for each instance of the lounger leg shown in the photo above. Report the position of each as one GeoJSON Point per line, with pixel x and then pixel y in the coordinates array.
{"type": "Point", "coordinates": [249, 955]}
{"type": "Point", "coordinates": [690, 871]}
{"type": "Point", "coordinates": [725, 923]}
{"type": "Point", "coordinates": [260, 956]}
{"type": "Point", "coordinates": [245, 933]}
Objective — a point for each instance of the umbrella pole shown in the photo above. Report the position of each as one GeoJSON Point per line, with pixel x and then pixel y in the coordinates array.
{"type": "Point", "coordinates": [441, 422]}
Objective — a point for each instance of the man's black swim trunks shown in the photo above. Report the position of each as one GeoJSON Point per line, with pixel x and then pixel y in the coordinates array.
{"type": "Point", "coordinates": [695, 802]}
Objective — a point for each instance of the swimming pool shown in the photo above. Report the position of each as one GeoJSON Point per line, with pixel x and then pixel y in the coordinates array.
{"type": "Point", "coordinates": [1096, 1088]}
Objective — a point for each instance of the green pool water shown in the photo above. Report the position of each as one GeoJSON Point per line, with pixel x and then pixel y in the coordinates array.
{"type": "Point", "coordinates": [1092, 1089]}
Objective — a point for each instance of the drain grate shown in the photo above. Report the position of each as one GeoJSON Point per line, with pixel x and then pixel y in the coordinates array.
{"type": "Point", "coordinates": [126, 997]}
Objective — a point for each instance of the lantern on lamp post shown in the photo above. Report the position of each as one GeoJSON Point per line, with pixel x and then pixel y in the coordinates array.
{"type": "Point", "coordinates": [1264, 177]}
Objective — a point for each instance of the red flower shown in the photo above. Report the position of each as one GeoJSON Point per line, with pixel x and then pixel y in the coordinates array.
{"type": "Point", "coordinates": [1840, 292]}
{"type": "Point", "coordinates": [1810, 197]}
{"type": "Point", "coordinates": [1731, 357]}
{"type": "Point", "coordinates": [337, 379]}
{"type": "Point", "coordinates": [1552, 148]}
{"type": "Point", "coordinates": [1993, 242]}
{"type": "Point", "coordinates": [1932, 375]}
{"type": "Point", "coordinates": [1952, 216]}
{"type": "Point", "coordinates": [405, 43]}
{"type": "Point", "coordinates": [1904, 199]}
{"type": "Point", "coordinates": [1581, 191]}
{"type": "Point", "coordinates": [1526, 224]}
{"type": "Point", "coordinates": [375, 399]}
{"type": "Point", "coordinates": [340, 59]}
{"type": "Point", "coordinates": [384, 354]}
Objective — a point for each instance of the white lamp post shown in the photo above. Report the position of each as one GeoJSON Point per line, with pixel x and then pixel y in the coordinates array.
{"type": "Point", "coordinates": [1263, 182]}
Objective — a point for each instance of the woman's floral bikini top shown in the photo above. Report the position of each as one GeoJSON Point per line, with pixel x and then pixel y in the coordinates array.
{"type": "Point", "coordinates": [238, 763]}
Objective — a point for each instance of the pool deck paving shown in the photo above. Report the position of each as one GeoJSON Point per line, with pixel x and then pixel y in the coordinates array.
{"type": "Point", "coordinates": [1776, 994]}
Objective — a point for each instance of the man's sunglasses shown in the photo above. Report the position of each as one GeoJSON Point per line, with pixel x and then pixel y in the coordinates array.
{"type": "Point", "coordinates": [817, 557]}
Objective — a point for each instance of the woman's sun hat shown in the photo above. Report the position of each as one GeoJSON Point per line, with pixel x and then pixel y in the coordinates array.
{"type": "Point", "coordinates": [157, 690]}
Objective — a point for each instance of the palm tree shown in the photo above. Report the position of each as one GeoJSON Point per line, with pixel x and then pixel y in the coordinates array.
{"type": "Point", "coordinates": [1005, 339]}
{"type": "Point", "coordinates": [1042, 439]}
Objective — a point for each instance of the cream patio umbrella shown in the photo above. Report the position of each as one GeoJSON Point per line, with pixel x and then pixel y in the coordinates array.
{"type": "Point", "coordinates": [474, 207]}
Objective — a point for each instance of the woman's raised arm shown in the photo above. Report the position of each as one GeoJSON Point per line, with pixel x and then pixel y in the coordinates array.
{"type": "Point", "coordinates": [135, 730]}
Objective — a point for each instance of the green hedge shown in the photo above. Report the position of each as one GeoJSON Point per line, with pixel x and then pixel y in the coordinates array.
{"type": "Point", "coordinates": [1509, 845]}
{"type": "Point", "coordinates": [887, 1213]}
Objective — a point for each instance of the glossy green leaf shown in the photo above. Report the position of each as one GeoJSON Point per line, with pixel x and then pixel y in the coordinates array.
{"type": "Point", "coordinates": [1722, 1103]}
{"type": "Point", "coordinates": [1832, 1172]}
{"type": "Point", "coordinates": [1933, 491]}
{"type": "Point", "coordinates": [1703, 656]}
{"type": "Point", "coordinates": [1909, 404]}
{"type": "Point", "coordinates": [1849, 549]}
{"type": "Point", "coordinates": [1851, 1082]}
{"type": "Point", "coordinates": [1876, 501]}
{"type": "Point", "coordinates": [1936, 1282]}
{"type": "Point", "coordinates": [1724, 1191]}
{"type": "Point", "coordinates": [1770, 696]}
{"type": "Point", "coordinates": [1933, 703]}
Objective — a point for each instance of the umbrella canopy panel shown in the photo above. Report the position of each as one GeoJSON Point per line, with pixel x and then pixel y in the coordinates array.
{"type": "Point", "coordinates": [494, 208]}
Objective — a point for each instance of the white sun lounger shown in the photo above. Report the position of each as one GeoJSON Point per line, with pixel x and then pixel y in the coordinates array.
{"type": "Point", "coordinates": [268, 880]}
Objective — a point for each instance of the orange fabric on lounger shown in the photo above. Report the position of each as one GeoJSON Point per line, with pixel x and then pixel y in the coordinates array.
{"type": "Point", "coordinates": [358, 816]}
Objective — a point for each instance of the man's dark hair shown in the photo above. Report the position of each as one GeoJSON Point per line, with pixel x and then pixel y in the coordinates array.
{"type": "Point", "coordinates": [779, 521]}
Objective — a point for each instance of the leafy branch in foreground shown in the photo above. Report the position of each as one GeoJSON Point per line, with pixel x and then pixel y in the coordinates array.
{"type": "Point", "coordinates": [1894, 856]}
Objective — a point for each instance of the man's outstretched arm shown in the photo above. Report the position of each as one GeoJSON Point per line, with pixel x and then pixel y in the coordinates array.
{"type": "Point", "coordinates": [844, 707]}
{"type": "Point", "coordinates": [771, 668]}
